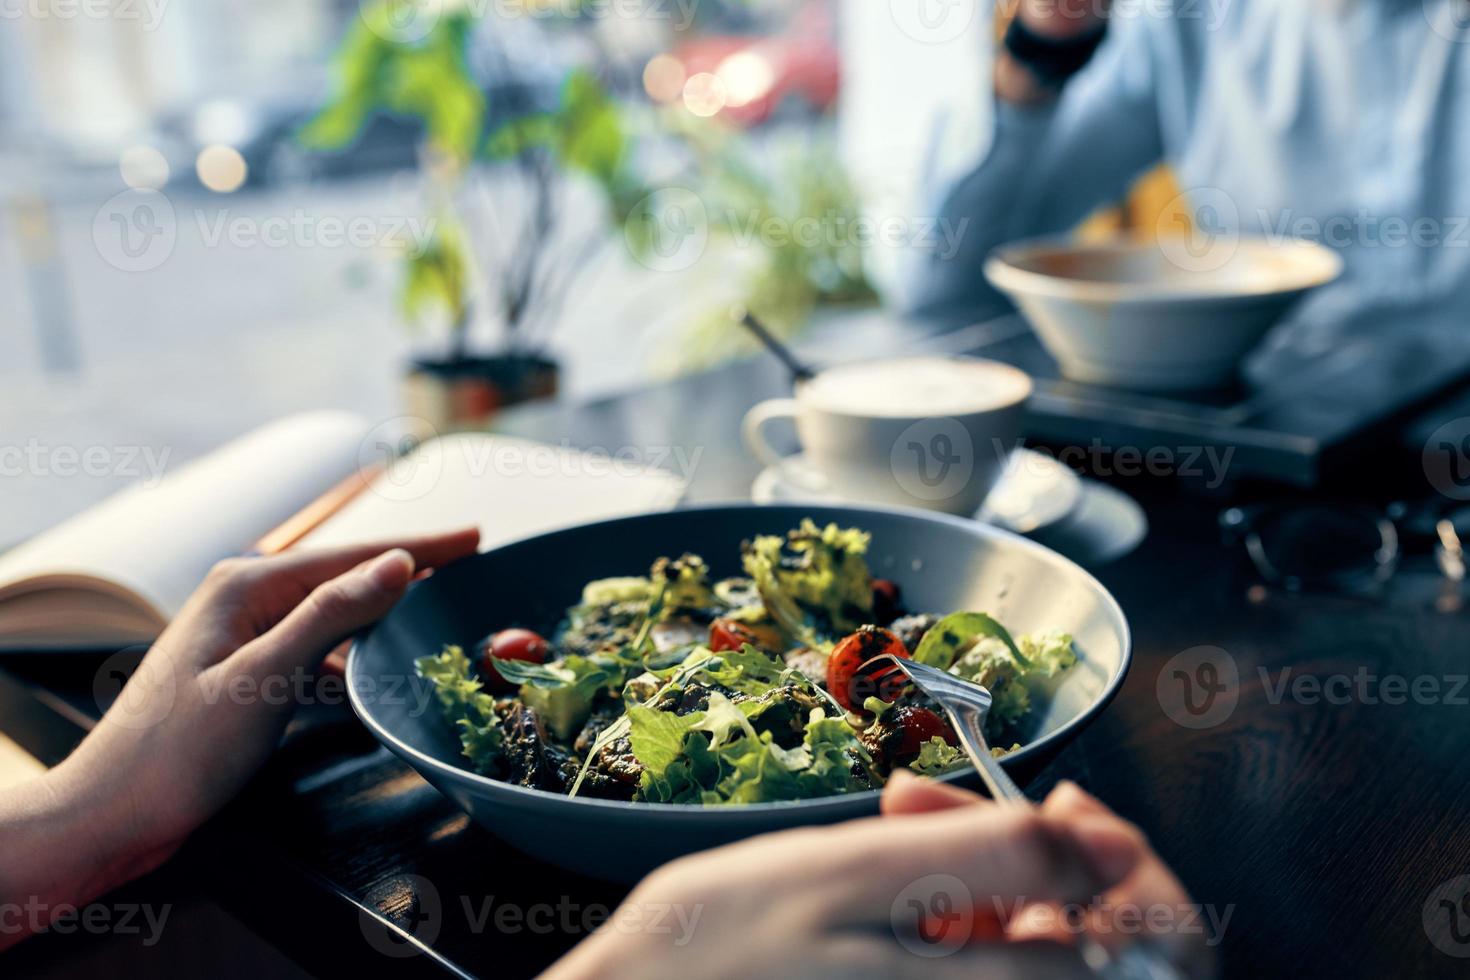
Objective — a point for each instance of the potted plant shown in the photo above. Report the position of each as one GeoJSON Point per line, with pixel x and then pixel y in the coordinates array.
{"type": "Point", "coordinates": [412, 60]}
{"type": "Point", "coordinates": [507, 259]}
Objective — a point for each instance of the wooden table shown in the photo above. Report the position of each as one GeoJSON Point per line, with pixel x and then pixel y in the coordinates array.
{"type": "Point", "coordinates": [1318, 814]}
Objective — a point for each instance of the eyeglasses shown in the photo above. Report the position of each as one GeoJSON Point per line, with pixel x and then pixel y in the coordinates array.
{"type": "Point", "coordinates": [1343, 547]}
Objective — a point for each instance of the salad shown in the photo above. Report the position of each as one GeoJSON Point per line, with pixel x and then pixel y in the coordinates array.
{"type": "Point", "coordinates": [673, 688]}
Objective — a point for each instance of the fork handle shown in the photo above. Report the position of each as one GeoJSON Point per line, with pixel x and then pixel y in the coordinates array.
{"type": "Point", "coordinates": [1002, 787]}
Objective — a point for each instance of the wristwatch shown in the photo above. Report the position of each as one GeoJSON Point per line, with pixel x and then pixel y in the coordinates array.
{"type": "Point", "coordinates": [1051, 60]}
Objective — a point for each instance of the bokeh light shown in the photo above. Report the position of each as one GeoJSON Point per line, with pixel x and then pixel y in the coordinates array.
{"type": "Point", "coordinates": [705, 94]}
{"type": "Point", "coordinates": [221, 168]}
{"type": "Point", "coordinates": [663, 78]}
{"type": "Point", "coordinates": [748, 76]}
{"type": "Point", "coordinates": [143, 168]}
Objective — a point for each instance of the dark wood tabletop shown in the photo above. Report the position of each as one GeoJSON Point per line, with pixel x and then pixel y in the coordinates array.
{"type": "Point", "coordinates": [1300, 760]}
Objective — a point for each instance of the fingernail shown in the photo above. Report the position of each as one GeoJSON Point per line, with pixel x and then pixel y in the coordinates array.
{"type": "Point", "coordinates": [1066, 790]}
{"type": "Point", "coordinates": [901, 775]}
{"type": "Point", "coordinates": [391, 570]}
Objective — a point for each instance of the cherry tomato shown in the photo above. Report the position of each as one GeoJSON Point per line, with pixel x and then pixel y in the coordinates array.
{"type": "Point", "coordinates": [886, 602]}
{"type": "Point", "coordinates": [512, 644]}
{"type": "Point", "coordinates": [918, 726]}
{"type": "Point", "coordinates": [729, 634]}
{"type": "Point", "coordinates": [843, 681]}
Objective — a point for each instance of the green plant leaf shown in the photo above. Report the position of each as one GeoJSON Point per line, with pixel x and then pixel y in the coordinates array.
{"type": "Point", "coordinates": [437, 276]}
{"type": "Point", "coordinates": [426, 79]}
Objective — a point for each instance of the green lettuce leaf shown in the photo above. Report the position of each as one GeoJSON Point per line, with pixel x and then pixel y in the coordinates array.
{"type": "Point", "coordinates": [1050, 653]}
{"type": "Point", "coordinates": [673, 586]}
{"type": "Point", "coordinates": [686, 585]}
{"type": "Point", "coordinates": [609, 591]}
{"type": "Point", "coordinates": [994, 664]}
{"type": "Point", "coordinates": [834, 747]}
{"type": "Point", "coordinates": [990, 663]}
{"type": "Point", "coordinates": [814, 582]}
{"type": "Point", "coordinates": [716, 756]}
{"type": "Point", "coordinates": [937, 757]}
{"type": "Point", "coordinates": [466, 705]}
{"type": "Point", "coordinates": [562, 692]}
{"type": "Point", "coordinates": [946, 639]}
{"type": "Point", "coordinates": [974, 646]}
{"type": "Point", "coordinates": [678, 764]}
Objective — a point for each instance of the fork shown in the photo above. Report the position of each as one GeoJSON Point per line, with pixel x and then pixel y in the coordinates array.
{"type": "Point", "coordinates": [968, 705]}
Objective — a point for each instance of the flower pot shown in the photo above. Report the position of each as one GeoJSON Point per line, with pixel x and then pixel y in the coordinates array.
{"type": "Point", "coordinates": [466, 393]}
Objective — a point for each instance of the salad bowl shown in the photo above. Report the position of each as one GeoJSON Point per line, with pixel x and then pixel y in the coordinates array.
{"type": "Point", "coordinates": [940, 563]}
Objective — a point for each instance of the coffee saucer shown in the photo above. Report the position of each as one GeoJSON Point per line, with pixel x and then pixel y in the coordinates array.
{"type": "Point", "coordinates": [1035, 492]}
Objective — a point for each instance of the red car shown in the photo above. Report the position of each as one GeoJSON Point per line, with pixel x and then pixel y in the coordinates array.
{"type": "Point", "coordinates": [760, 77]}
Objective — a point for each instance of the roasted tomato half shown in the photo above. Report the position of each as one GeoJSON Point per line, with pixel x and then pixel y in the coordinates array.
{"type": "Point", "coordinates": [730, 634]}
{"type": "Point", "coordinates": [851, 688]}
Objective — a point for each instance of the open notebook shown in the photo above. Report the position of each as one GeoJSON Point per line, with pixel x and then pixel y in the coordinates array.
{"type": "Point", "coordinates": [115, 575]}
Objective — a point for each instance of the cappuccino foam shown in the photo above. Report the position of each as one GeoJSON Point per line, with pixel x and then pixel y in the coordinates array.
{"type": "Point", "coordinates": [916, 387]}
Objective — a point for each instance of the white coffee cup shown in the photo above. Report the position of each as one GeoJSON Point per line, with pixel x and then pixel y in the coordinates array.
{"type": "Point", "coordinates": [930, 432]}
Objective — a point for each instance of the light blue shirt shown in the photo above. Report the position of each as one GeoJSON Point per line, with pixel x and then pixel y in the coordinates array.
{"type": "Point", "coordinates": [1346, 122]}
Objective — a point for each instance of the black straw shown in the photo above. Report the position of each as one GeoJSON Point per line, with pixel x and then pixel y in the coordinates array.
{"type": "Point", "coordinates": [798, 370]}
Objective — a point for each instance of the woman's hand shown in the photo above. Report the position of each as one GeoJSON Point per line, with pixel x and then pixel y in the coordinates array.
{"type": "Point", "coordinates": [946, 883]}
{"type": "Point", "coordinates": [1147, 887]}
{"type": "Point", "coordinates": [204, 709]}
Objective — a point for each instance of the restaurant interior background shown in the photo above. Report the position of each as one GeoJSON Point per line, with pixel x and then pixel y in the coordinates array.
{"type": "Point", "coordinates": [251, 209]}
{"type": "Point", "coordinates": [214, 215]}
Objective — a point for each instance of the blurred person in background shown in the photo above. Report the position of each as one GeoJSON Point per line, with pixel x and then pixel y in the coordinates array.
{"type": "Point", "coordinates": [1341, 121]}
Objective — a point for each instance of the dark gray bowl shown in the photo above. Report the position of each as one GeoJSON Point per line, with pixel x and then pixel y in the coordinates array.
{"type": "Point", "coordinates": [942, 563]}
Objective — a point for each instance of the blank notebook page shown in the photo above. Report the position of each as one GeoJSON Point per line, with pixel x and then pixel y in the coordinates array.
{"type": "Point", "coordinates": [510, 488]}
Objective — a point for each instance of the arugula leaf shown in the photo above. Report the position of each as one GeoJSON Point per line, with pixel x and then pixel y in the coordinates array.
{"type": "Point", "coordinates": [942, 645]}
{"type": "Point", "coordinates": [559, 674]}
{"type": "Point", "coordinates": [746, 670]}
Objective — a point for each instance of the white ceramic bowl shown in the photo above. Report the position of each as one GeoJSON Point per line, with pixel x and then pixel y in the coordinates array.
{"type": "Point", "coordinates": [1157, 316]}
